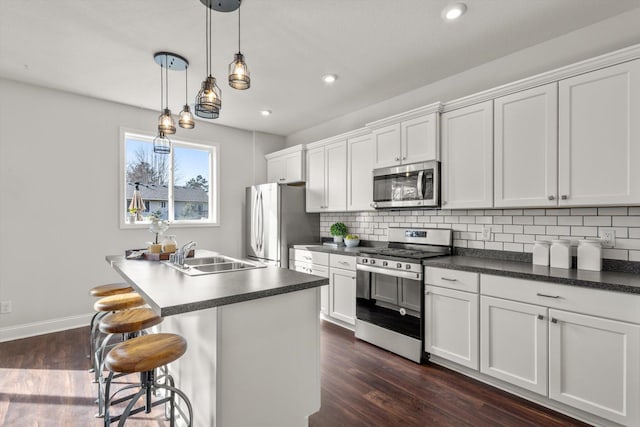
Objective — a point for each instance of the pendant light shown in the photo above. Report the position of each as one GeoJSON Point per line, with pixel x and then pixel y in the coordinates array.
{"type": "Point", "coordinates": [239, 76]}
{"type": "Point", "coordinates": [186, 120]}
{"type": "Point", "coordinates": [166, 125]}
{"type": "Point", "coordinates": [161, 144]}
{"type": "Point", "coordinates": [208, 99]}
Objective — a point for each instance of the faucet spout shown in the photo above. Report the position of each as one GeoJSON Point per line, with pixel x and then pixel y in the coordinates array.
{"type": "Point", "coordinates": [181, 254]}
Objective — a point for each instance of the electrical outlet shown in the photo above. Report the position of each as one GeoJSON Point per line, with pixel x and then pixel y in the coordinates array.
{"type": "Point", "coordinates": [486, 233]}
{"type": "Point", "coordinates": [608, 237]}
{"type": "Point", "coordinates": [5, 307]}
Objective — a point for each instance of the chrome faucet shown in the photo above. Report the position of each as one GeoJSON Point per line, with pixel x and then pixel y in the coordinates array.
{"type": "Point", "coordinates": [181, 254]}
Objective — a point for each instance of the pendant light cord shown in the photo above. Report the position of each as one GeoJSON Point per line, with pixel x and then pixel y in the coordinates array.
{"type": "Point", "coordinates": [239, 51]}
{"type": "Point", "coordinates": [161, 90]}
{"type": "Point", "coordinates": [186, 86]}
{"type": "Point", "coordinates": [166, 81]}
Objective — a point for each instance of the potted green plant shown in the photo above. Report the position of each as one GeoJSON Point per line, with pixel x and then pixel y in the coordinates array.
{"type": "Point", "coordinates": [351, 240]}
{"type": "Point", "coordinates": [132, 215]}
{"type": "Point", "coordinates": [338, 231]}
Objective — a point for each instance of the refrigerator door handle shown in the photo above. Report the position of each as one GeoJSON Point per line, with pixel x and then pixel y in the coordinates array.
{"type": "Point", "coordinates": [254, 224]}
{"type": "Point", "coordinates": [261, 223]}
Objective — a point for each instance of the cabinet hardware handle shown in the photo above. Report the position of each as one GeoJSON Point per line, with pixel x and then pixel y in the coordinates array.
{"type": "Point", "coordinates": [548, 296]}
{"type": "Point", "coordinates": [540, 317]}
{"type": "Point", "coordinates": [282, 179]}
{"type": "Point", "coordinates": [449, 280]}
{"type": "Point", "coordinates": [552, 197]}
{"type": "Point", "coordinates": [397, 158]}
{"type": "Point", "coordinates": [404, 157]}
{"type": "Point", "coordinates": [554, 320]}
{"type": "Point", "coordinates": [353, 278]}
{"type": "Point", "coordinates": [427, 293]}
{"type": "Point", "coordinates": [565, 197]}
{"type": "Point", "coordinates": [343, 262]}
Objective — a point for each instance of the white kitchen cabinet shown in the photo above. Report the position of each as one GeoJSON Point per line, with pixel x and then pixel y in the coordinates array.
{"type": "Point", "coordinates": [327, 177]}
{"type": "Point", "coordinates": [360, 158]}
{"type": "Point", "coordinates": [316, 270]}
{"type": "Point", "coordinates": [526, 148]}
{"type": "Point", "coordinates": [286, 165]}
{"type": "Point", "coordinates": [594, 365]}
{"type": "Point", "coordinates": [451, 325]}
{"type": "Point", "coordinates": [467, 157]}
{"type": "Point", "coordinates": [410, 141]}
{"type": "Point", "coordinates": [514, 343]}
{"type": "Point", "coordinates": [599, 134]}
{"type": "Point", "coordinates": [342, 304]}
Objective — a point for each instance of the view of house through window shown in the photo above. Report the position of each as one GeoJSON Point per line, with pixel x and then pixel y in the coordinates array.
{"type": "Point", "coordinates": [178, 187]}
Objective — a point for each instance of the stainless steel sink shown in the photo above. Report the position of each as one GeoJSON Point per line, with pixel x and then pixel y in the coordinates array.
{"type": "Point", "coordinates": [213, 264]}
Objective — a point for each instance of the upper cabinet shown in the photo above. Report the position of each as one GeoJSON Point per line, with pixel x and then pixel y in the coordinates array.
{"type": "Point", "coordinates": [467, 157]}
{"type": "Point", "coordinates": [327, 177]}
{"type": "Point", "coordinates": [599, 137]}
{"type": "Point", "coordinates": [286, 165]}
{"type": "Point", "coordinates": [360, 164]}
{"type": "Point", "coordinates": [406, 138]}
{"type": "Point", "coordinates": [526, 148]}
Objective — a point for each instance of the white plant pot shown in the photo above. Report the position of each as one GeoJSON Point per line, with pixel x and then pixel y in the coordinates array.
{"type": "Point", "coordinates": [337, 239]}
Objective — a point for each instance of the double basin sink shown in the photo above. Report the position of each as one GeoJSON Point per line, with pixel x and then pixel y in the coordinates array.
{"type": "Point", "coordinates": [213, 264]}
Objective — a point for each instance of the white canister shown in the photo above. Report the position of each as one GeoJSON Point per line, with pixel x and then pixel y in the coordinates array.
{"type": "Point", "coordinates": [590, 255]}
{"type": "Point", "coordinates": [560, 254]}
{"type": "Point", "coordinates": [541, 252]}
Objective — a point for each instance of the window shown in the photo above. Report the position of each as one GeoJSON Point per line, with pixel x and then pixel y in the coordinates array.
{"type": "Point", "coordinates": [181, 187]}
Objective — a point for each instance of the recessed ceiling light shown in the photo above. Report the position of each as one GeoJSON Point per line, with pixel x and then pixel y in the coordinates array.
{"type": "Point", "coordinates": [454, 11]}
{"type": "Point", "coordinates": [329, 78]}
{"type": "Point", "coordinates": [265, 112]}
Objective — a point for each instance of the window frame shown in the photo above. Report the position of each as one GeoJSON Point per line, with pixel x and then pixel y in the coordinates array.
{"type": "Point", "coordinates": [214, 183]}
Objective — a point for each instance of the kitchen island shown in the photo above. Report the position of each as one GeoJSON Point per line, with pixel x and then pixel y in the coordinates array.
{"type": "Point", "coordinates": [253, 336]}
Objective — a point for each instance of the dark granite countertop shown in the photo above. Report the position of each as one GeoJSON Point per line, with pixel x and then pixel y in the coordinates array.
{"type": "Point", "coordinates": [607, 280]}
{"type": "Point", "coordinates": [170, 292]}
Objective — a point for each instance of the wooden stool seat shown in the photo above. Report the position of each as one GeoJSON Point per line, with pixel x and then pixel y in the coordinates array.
{"type": "Point", "coordinates": [110, 289]}
{"type": "Point", "coordinates": [119, 302]}
{"type": "Point", "coordinates": [145, 353]}
{"type": "Point", "coordinates": [127, 321]}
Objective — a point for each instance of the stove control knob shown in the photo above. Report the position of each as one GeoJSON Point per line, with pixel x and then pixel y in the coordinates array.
{"type": "Point", "coordinates": [373, 261]}
{"type": "Point", "coordinates": [384, 263]}
{"type": "Point", "coordinates": [408, 266]}
{"type": "Point", "coordinates": [399, 265]}
{"type": "Point", "coordinates": [364, 260]}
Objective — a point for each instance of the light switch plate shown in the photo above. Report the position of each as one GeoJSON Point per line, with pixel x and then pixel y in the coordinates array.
{"type": "Point", "coordinates": [5, 307]}
{"type": "Point", "coordinates": [486, 233]}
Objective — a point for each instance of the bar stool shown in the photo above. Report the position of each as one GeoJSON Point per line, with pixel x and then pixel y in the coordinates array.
{"type": "Point", "coordinates": [103, 307]}
{"type": "Point", "coordinates": [130, 323]}
{"type": "Point", "coordinates": [144, 355]}
{"type": "Point", "coordinates": [105, 291]}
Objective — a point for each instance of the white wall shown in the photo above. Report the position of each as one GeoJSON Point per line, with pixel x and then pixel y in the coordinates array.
{"type": "Point", "coordinates": [608, 35]}
{"type": "Point", "coordinates": [59, 199]}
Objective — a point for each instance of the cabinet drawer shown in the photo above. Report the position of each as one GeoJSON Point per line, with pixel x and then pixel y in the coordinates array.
{"type": "Point", "coordinates": [453, 279]}
{"type": "Point", "coordinates": [304, 255]}
{"type": "Point", "coordinates": [346, 262]}
{"type": "Point", "coordinates": [305, 267]}
{"type": "Point", "coordinates": [613, 305]}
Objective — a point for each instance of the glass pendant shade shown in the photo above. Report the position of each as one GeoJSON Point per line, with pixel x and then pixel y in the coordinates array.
{"type": "Point", "coordinates": [161, 144]}
{"type": "Point", "coordinates": [186, 120]}
{"type": "Point", "coordinates": [166, 124]}
{"type": "Point", "coordinates": [208, 101]}
{"type": "Point", "coordinates": [239, 76]}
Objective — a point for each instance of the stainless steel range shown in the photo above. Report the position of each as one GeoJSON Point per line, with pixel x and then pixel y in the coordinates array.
{"type": "Point", "coordinates": [390, 289]}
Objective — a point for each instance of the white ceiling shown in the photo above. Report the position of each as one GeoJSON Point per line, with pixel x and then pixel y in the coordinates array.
{"type": "Point", "coordinates": [378, 48]}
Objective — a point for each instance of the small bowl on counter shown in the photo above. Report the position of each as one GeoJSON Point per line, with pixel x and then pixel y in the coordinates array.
{"type": "Point", "coordinates": [351, 242]}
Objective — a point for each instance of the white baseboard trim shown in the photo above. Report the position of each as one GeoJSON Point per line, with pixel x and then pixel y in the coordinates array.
{"type": "Point", "coordinates": [27, 330]}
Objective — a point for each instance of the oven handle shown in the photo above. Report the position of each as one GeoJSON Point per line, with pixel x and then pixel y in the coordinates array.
{"type": "Point", "coordinates": [387, 272]}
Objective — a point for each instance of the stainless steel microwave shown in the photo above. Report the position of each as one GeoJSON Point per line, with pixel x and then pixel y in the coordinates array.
{"type": "Point", "coordinates": [416, 185]}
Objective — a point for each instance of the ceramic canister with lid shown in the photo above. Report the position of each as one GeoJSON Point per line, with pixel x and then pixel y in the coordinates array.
{"type": "Point", "coordinates": [560, 254]}
{"type": "Point", "coordinates": [541, 252]}
{"type": "Point", "coordinates": [590, 255]}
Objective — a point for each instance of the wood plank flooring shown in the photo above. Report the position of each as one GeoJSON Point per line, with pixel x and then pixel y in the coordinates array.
{"type": "Point", "coordinates": [44, 382]}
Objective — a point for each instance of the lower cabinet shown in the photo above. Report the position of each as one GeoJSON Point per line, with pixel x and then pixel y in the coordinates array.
{"type": "Point", "coordinates": [342, 296]}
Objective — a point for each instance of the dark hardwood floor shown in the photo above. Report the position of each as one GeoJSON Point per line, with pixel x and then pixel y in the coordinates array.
{"type": "Point", "coordinates": [44, 382]}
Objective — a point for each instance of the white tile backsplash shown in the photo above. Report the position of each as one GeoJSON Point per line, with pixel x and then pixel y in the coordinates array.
{"type": "Point", "coordinates": [511, 229]}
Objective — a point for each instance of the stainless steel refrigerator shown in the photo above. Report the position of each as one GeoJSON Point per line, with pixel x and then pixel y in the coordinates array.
{"type": "Point", "coordinates": [276, 218]}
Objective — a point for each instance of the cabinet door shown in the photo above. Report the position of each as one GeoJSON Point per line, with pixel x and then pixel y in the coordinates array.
{"type": "Point", "coordinates": [292, 167]}
{"type": "Point", "coordinates": [467, 157]}
{"type": "Point", "coordinates": [336, 177]}
{"type": "Point", "coordinates": [514, 343]}
{"type": "Point", "coordinates": [451, 325]}
{"type": "Point", "coordinates": [342, 303]}
{"type": "Point", "coordinates": [594, 365]}
{"type": "Point", "coordinates": [384, 288]}
{"type": "Point", "coordinates": [315, 180]}
{"type": "Point", "coordinates": [420, 139]}
{"type": "Point", "coordinates": [599, 149]}
{"type": "Point", "coordinates": [360, 157]}
{"type": "Point", "coordinates": [387, 146]}
{"type": "Point", "coordinates": [526, 148]}
{"type": "Point", "coordinates": [275, 170]}
{"type": "Point", "coordinates": [322, 271]}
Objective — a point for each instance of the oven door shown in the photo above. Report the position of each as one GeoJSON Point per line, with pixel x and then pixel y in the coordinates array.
{"type": "Point", "coordinates": [390, 301]}
{"type": "Point", "coordinates": [414, 185]}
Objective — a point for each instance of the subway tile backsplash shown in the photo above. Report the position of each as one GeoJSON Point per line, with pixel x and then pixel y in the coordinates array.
{"type": "Point", "coordinates": [512, 230]}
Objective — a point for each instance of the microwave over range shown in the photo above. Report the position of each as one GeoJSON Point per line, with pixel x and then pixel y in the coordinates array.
{"type": "Point", "coordinates": [416, 185]}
